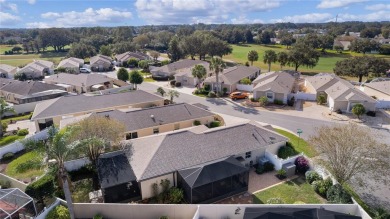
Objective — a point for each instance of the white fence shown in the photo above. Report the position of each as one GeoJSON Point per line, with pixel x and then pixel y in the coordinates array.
{"type": "Point", "coordinates": [18, 146]}
{"type": "Point", "coordinates": [73, 165]}
{"type": "Point", "coordinates": [383, 104]}
{"type": "Point", "coordinates": [245, 87]}
{"type": "Point", "coordinates": [14, 182]}
{"type": "Point", "coordinates": [46, 210]}
{"type": "Point", "coordinates": [278, 162]}
{"type": "Point", "coordinates": [303, 96]}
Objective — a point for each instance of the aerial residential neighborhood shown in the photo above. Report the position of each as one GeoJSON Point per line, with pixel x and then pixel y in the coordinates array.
{"type": "Point", "coordinates": [195, 110]}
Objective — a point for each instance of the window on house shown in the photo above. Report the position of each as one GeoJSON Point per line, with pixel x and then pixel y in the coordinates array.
{"type": "Point", "coordinates": [270, 95]}
{"type": "Point", "coordinates": [131, 135]}
{"type": "Point", "coordinates": [177, 126]}
{"type": "Point", "coordinates": [248, 154]}
{"type": "Point", "coordinates": [156, 131]}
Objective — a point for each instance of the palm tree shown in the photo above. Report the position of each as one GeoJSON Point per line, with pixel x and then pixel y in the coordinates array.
{"type": "Point", "coordinates": [4, 108]}
{"type": "Point", "coordinates": [172, 94]}
{"type": "Point", "coordinates": [217, 65]}
{"type": "Point", "coordinates": [253, 56]}
{"type": "Point", "coordinates": [199, 72]}
{"type": "Point", "coordinates": [269, 57]}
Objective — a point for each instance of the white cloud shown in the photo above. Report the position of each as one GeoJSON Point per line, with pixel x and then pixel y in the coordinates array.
{"type": "Point", "coordinates": [375, 16]}
{"type": "Point", "coordinates": [89, 17]}
{"type": "Point", "coordinates": [31, 2]}
{"type": "Point", "coordinates": [204, 11]}
{"type": "Point", "coordinates": [8, 19]}
{"type": "Point", "coordinates": [245, 20]}
{"type": "Point", "coordinates": [5, 6]}
{"type": "Point", "coordinates": [378, 7]}
{"type": "Point", "coordinates": [337, 3]}
{"type": "Point", "coordinates": [304, 18]}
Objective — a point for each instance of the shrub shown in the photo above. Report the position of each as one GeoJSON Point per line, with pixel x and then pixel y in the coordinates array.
{"type": "Point", "coordinates": [278, 102]}
{"type": "Point", "coordinates": [5, 184]}
{"type": "Point", "coordinates": [164, 217]}
{"type": "Point", "coordinates": [322, 186]}
{"type": "Point", "coordinates": [260, 170]}
{"type": "Point", "coordinates": [214, 124]}
{"type": "Point", "coordinates": [132, 62]}
{"type": "Point", "coordinates": [339, 111]}
{"type": "Point", "coordinates": [321, 99]}
{"type": "Point", "coordinates": [207, 87]}
{"type": "Point", "coordinates": [253, 99]}
{"type": "Point", "coordinates": [286, 151]}
{"type": "Point", "coordinates": [275, 201]}
{"type": "Point", "coordinates": [197, 122]}
{"type": "Point", "coordinates": [245, 81]}
{"type": "Point", "coordinates": [291, 101]}
{"type": "Point", "coordinates": [175, 195]}
{"type": "Point", "coordinates": [172, 83]}
{"type": "Point", "coordinates": [59, 212]}
{"type": "Point", "coordinates": [165, 62]}
{"type": "Point", "coordinates": [4, 125]}
{"type": "Point", "coordinates": [28, 165]}
{"type": "Point", "coordinates": [247, 64]}
{"type": "Point", "coordinates": [8, 156]}
{"type": "Point", "coordinates": [178, 84]}
{"type": "Point", "coordinates": [98, 216]}
{"type": "Point", "coordinates": [212, 94]}
{"type": "Point", "coordinates": [371, 113]}
{"type": "Point", "coordinates": [263, 100]}
{"type": "Point", "coordinates": [281, 174]}
{"type": "Point", "coordinates": [336, 194]}
{"type": "Point", "coordinates": [268, 166]}
{"type": "Point", "coordinates": [224, 90]}
{"type": "Point", "coordinates": [22, 132]}
{"type": "Point", "coordinates": [312, 176]}
{"type": "Point", "coordinates": [43, 187]}
{"type": "Point", "coordinates": [358, 110]}
{"type": "Point", "coordinates": [302, 165]}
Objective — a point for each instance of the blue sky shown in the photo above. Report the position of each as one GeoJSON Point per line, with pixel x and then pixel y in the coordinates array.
{"type": "Point", "coordinates": [73, 13]}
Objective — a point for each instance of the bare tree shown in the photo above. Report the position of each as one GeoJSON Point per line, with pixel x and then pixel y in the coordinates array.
{"type": "Point", "coordinates": [351, 151]}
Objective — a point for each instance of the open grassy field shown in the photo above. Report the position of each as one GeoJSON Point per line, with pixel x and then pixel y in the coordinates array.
{"type": "Point", "coordinates": [325, 64]}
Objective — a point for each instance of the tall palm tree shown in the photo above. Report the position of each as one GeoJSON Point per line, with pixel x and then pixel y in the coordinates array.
{"type": "Point", "coordinates": [4, 108]}
{"type": "Point", "coordinates": [253, 56]}
{"type": "Point", "coordinates": [172, 94]}
{"type": "Point", "coordinates": [269, 57]}
{"type": "Point", "coordinates": [217, 65]}
{"type": "Point", "coordinates": [199, 72]}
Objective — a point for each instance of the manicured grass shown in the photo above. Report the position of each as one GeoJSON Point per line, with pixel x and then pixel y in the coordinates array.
{"type": "Point", "coordinates": [17, 118]}
{"type": "Point", "coordinates": [9, 139]}
{"type": "Point", "coordinates": [303, 146]}
{"type": "Point", "coordinates": [290, 192]}
{"type": "Point", "coordinates": [26, 158]}
{"type": "Point", "coordinates": [23, 59]}
{"type": "Point", "coordinates": [81, 189]}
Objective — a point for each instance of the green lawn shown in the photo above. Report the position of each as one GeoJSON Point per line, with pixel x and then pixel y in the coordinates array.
{"type": "Point", "coordinates": [26, 166]}
{"type": "Point", "coordinates": [23, 59]}
{"type": "Point", "coordinates": [81, 189]}
{"type": "Point", "coordinates": [325, 64]}
{"type": "Point", "coordinates": [296, 190]}
{"type": "Point", "coordinates": [17, 118]}
{"type": "Point", "coordinates": [10, 139]}
{"type": "Point", "coordinates": [303, 146]}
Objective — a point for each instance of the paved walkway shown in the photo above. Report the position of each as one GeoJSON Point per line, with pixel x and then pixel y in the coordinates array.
{"type": "Point", "coordinates": [24, 124]}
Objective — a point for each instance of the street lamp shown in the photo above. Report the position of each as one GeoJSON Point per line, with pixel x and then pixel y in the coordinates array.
{"type": "Point", "coordinates": [299, 132]}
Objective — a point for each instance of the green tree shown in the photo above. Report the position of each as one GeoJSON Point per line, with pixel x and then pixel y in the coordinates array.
{"type": "Point", "coordinates": [105, 50]}
{"type": "Point", "coordinates": [123, 74]}
{"type": "Point", "coordinates": [122, 47]}
{"type": "Point", "coordinates": [17, 49]}
{"type": "Point", "coordinates": [253, 56]}
{"type": "Point", "coordinates": [282, 59]}
{"type": "Point", "coordinates": [269, 57]}
{"type": "Point", "coordinates": [122, 34]}
{"type": "Point", "coordinates": [154, 55]}
{"type": "Point", "coordinates": [325, 42]}
{"type": "Point", "coordinates": [161, 91]}
{"type": "Point", "coordinates": [172, 94]}
{"type": "Point", "coordinates": [144, 65]}
{"type": "Point", "coordinates": [217, 65]}
{"type": "Point", "coordinates": [132, 62]}
{"type": "Point", "coordinates": [303, 55]}
{"type": "Point", "coordinates": [358, 110]}
{"type": "Point", "coordinates": [81, 50]}
{"type": "Point", "coordinates": [364, 45]}
{"type": "Point", "coordinates": [141, 40]}
{"type": "Point", "coordinates": [136, 78]}
{"type": "Point", "coordinates": [174, 51]}
{"type": "Point", "coordinates": [199, 72]}
{"type": "Point", "coordinates": [4, 108]}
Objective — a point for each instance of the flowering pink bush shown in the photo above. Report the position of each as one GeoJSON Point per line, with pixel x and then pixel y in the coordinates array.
{"type": "Point", "coordinates": [302, 165]}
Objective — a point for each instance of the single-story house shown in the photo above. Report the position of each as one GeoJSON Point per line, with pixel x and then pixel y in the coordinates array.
{"type": "Point", "coordinates": [173, 68]}
{"type": "Point", "coordinates": [52, 111]}
{"type": "Point", "coordinates": [124, 57]}
{"type": "Point", "coordinates": [7, 71]}
{"type": "Point", "coordinates": [340, 94]}
{"type": "Point", "coordinates": [160, 119]}
{"type": "Point", "coordinates": [343, 43]}
{"type": "Point", "coordinates": [274, 85]}
{"type": "Point", "coordinates": [208, 164]}
{"type": "Point", "coordinates": [230, 77]}
{"type": "Point", "coordinates": [71, 65]}
{"type": "Point", "coordinates": [101, 63]}
{"type": "Point", "coordinates": [185, 77]}
{"type": "Point", "coordinates": [37, 69]}
{"type": "Point", "coordinates": [81, 83]}
{"type": "Point", "coordinates": [20, 92]}
{"type": "Point", "coordinates": [379, 90]}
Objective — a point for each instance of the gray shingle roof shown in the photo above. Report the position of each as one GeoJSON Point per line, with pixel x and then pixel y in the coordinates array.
{"type": "Point", "coordinates": [278, 82]}
{"type": "Point", "coordinates": [25, 88]}
{"type": "Point", "coordinates": [100, 57]}
{"type": "Point", "coordinates": [7, 68]}
{"type": "Point", "coordinates": [182, 64]}
{"type": "Point", "coordinates": [342, 90]}
{"type": "Point", "coordinates": [234, 74]}
{"type": "Point", "coordinates": [165, 153]}
{"type": "Point", "coordinates": [322, 81]}
{"type": "Point", "coordinates": [381, 86]}
{"type": "Point", "coordinates": [79, 80]}
{"type": "Point", "coordinates": [128, 55]}
{"type": "Point", "coordinates": [71, 63]}
{"type": "Point", "coordinates": [140, 119]}
{"type": "Point", "coordinates": [84, 103]}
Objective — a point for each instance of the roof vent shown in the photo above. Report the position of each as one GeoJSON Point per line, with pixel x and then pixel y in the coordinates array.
{"type": "Point", "coordinates": [152, 116]}
{"type": "Point", "coordinates": [107, 116]}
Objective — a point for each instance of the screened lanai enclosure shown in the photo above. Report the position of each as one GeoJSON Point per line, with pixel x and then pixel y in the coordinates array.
{"type": "Point", "coordinates": [211, 182]}
{"type": "Point", "coordinates": [15, 204]}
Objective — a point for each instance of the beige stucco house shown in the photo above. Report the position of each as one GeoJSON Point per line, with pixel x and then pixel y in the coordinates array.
{"type": "Point", "coordinates": [101, 63]}
{"type": "Point", "coordinates": [173, 68]}
{"type": "Point", "coordinates": [7, 71]}
{"type": "Point", "coordinates": [71, 65]}
{"type": "Point", "coordinates": [37, 69]}
{"type": "Point", "coordinates": [53, 111]}
{"type": "Point", "coordinates": [379, 90]}
{"type": "Point", "coordinates": [273, 85]}
{"type": "Point", "coordinates": [81, 83]}
{"type": "Point", "coordinates": [125, 57]}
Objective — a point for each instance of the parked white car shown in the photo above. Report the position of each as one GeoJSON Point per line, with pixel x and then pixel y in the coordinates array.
{"type": "Point", "coordinates": [85, 70]}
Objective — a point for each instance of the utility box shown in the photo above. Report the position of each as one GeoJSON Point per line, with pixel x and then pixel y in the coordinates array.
{"type": "Point", "coordinates": [289, 168]}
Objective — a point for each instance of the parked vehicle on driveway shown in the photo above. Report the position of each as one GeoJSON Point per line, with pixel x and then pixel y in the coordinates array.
{"type": "Point", "coordinates": [85, 70]}
{"type": "Point", "coordinates": [238, 95]}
